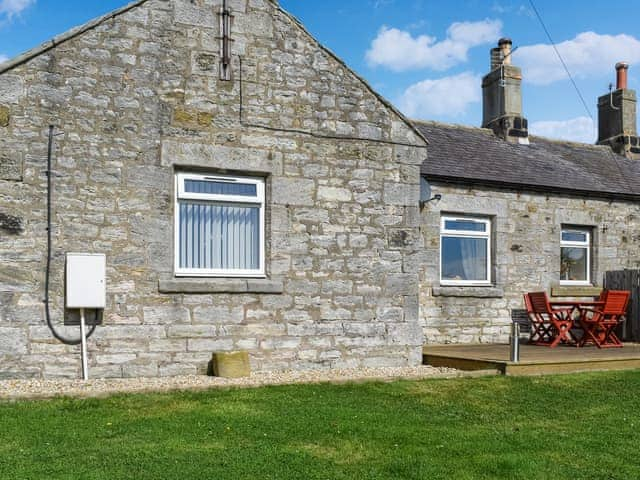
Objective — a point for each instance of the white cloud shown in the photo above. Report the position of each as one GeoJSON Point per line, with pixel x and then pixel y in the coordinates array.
{"type": "Point", "coordinates": [587, 54]}
{"type": "Point", "coordinates": [381, 3]}
{"type": "Point", "coordinates": [11, 8]}
{"type": "Point", "coordinates": [398, 50]}
{"type": "Point", "coordinates": [511, 7]}
{"type": "Point", "coordinates": [447, 96]}
{"type": "Point", "coordinates": [580, 129]}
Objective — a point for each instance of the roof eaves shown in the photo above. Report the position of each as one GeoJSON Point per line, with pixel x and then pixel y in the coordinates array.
{"type": "Point", "coordinates": [530, 187]}
{"type": "Point", "coordinates": [64, 37]}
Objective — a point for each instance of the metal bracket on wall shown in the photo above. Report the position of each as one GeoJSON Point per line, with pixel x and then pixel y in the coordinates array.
{"type": "Point", "coordinates": [225, 41]}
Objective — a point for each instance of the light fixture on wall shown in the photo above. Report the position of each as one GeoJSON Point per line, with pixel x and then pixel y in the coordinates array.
{"type": "Point", "coordinates": [425, 193]}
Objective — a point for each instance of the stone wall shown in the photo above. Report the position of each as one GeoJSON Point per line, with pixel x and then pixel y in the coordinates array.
{"type": "Point", "coordinates": [138, 96]}
{"type": "Point", "coordinates": [526, 255]}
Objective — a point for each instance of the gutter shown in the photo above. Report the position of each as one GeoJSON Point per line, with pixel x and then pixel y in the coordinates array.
{"type": "Point", "coordinates": [521, 187]}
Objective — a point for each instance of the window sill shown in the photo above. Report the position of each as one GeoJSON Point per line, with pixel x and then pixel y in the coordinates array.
{"type": "Point", "coordinates": [575, 291]}
{"type": "Point", "coordinates": [468, 291]}
{"type": "Point", "coordinates": [220, 285]}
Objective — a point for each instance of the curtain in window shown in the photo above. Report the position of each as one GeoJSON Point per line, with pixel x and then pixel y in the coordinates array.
{"type": "Point", "coordinates": [464, 258]}
{"type": "Point", "coordinates": [220, 237]}
{"type": "Point", "coordinates": [474, 258]}
{"type": "Point", "coordinates": [573, 264]}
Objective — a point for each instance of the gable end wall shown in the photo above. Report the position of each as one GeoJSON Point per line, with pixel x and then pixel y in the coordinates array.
{"type": "Point", "coordinates": [137, 98]}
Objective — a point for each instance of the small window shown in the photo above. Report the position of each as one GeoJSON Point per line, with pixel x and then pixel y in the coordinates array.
{"type": "Point", "coordinates": [219, 225]}
{"type": "Point", "coordinates": [575, 256]}
{"type": "Point", "coordinates": [465, 247]}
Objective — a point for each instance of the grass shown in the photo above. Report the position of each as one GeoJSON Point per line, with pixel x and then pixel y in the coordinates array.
{"type": "Point", "coordinates": [575, 427]}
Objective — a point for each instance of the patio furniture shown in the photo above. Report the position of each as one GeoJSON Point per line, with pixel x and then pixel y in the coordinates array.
{"type": "Point", "coordinates": [599, 323]}
{"type": "Point", "coordinates": [541, 333]}
{"type": "Point", "coordinates": [577, 308]}
{"type": "Point", "coordinates": [560, 319]}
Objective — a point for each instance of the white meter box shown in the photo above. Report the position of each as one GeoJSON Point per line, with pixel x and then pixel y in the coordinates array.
{"type": "Point", "coordinates": [86, 280]}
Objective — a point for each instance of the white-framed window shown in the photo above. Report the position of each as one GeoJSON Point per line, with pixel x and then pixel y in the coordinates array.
{"type": "Point", "coordinates": [465, 250]}
{"type": "Point", "coordinates": [575, 256]}
{"type": "Point", "coordinates": [219, 225]}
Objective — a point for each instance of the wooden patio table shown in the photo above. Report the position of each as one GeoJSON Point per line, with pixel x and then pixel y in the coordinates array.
{"type": "Point", "coordinates": [577, 307]}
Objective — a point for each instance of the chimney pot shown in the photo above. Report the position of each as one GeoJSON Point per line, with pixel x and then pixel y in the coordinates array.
{"type": "Point", "coordinates": [504, 44]}
{"type": "Point", "coordinates": [621, 70]}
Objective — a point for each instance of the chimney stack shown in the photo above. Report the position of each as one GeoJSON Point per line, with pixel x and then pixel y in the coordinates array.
{"type": "Point", "coordinates": [502, 96]}
{"type": "Point", "coordinates": [617, 117]}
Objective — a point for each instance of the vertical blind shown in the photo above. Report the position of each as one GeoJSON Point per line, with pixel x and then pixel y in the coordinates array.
{"type": "Point", "coordinates": [220, 237]}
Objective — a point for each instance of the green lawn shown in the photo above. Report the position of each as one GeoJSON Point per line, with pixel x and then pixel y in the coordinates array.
{"type": "Point", "coordinates": [573, 427]}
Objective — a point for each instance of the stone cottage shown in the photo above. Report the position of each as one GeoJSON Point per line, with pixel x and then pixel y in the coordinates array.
{"type": "Point", "coordinates": [249, 191]}
{"type": "Point", "coordinates": [520, 213]}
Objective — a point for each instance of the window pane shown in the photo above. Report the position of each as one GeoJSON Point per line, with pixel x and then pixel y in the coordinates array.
{"type": "Point", "coordinates": [220, 188]}
{"type": "Point", "coordinates": [569, 236]}
{"type": "Point", "coordinates": [219, 237]}
{"type": "Point", "coordinates": [573, 264]}
{"type": "Point", "coordinates": [467, 225]}
{"type": "Point", "coordinates": [464, 258]}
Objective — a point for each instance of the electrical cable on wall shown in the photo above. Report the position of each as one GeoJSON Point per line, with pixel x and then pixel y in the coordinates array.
{"type": "Point", "coordinates": [54, 331]}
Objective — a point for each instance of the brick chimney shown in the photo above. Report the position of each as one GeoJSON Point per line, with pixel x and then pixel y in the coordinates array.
{"type": "Point", "coordinates": [502, 96]}
{"type": "Point", "coordinates": [617, 117]}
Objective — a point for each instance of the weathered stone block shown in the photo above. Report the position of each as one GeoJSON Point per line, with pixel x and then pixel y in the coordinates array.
{"type": "Point", "coordinates": [116, 358]}
{"type": "Point", "coordinates": [231, 364]}
{"type": "Point", "coordinates": [193, 14]}
{"type": "Point", "coordinates": [11, 224]}
{"type": "Point", "coordinates": [293, 191]}
{"type": "Point", "coordinates": [216, 157]}
{"type": "Point", "coordinates": [11, 167]}
{"type": "Point", "coordinates": [401, 194]}
{"type": "Point", "coordinates": [402, 284]}
{"type": "Point", "coordinates": [186, 331]}
{"type": "Point", "coordinates": [209, 344]}
{"type": "Point", "coordinates": [12, 88]}
{"type": "Point", "coordinates": [218, 315]}
{"type": "Point", "coordinates": [333, 194]}
{"type": "Point", "coordinates": [166, 315]}
{"type": "Point", "coordinates": [13, 341]}
{"type": "Point", "coordinates": [4, 116]}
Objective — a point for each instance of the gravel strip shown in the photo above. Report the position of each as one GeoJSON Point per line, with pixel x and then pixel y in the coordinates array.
{"type": "Point", "coordinates": [41, 389]}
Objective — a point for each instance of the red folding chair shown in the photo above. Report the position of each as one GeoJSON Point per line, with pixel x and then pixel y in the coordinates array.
{"type": "Point", "coordinates": [599, 324]}
{"type": "Point", "coordinates": [578, 327]}
{"type": "Point", "coordinates": [560, 320]}
{"type": "Point", "coordinates": [541, 333]}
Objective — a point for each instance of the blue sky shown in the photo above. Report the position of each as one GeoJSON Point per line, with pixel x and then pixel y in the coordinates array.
{"type": "Point", "coordinates": [428, 56]}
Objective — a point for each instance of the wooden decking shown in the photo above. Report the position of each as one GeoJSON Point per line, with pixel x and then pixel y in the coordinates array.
{"type": "Point", "coordinates": [534, 360]}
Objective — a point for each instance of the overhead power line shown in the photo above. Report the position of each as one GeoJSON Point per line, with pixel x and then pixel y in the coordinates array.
{"type": "Point", "coordinates": [566, 69]}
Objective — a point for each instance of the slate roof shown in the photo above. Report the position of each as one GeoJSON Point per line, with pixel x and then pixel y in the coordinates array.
{"type": "Point", "coordinates": [475, 156]}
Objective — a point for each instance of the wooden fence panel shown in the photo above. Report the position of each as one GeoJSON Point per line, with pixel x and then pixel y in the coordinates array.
{"type": "Point", "coordinates": [627, 280]}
